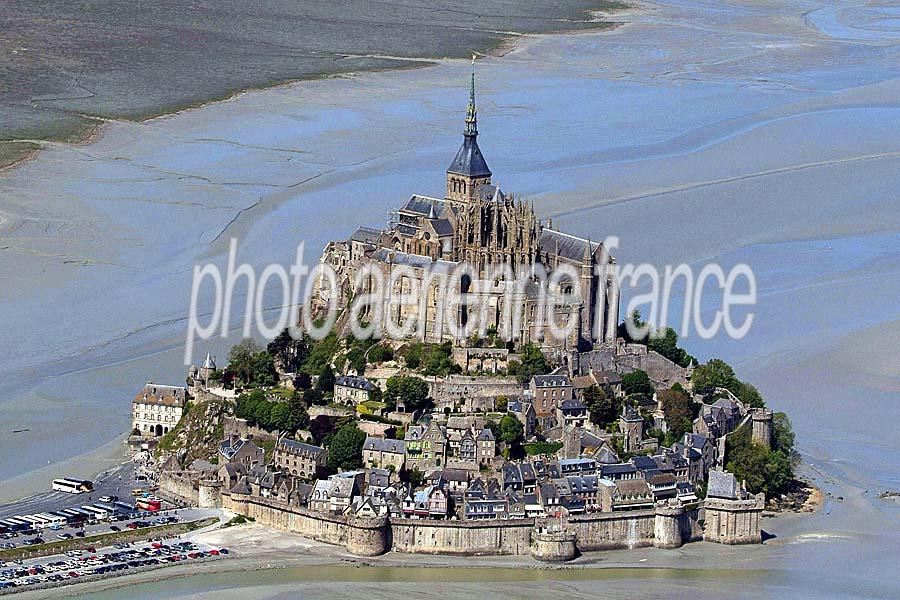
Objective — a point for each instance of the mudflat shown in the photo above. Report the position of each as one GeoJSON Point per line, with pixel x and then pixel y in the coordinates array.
{"type": "Point", "coordinates": [69, 66]}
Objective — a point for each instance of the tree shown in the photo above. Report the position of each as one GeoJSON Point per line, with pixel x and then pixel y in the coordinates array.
{"type": "Point", "coordinates": [749, 395]}
{"type": "Point", "coordinates": [299, 414]}
{"type": "Point", "coordinates": [411, 392]}
{"type": "Point", "coordinates": [532, 363]}
{"type": "Point", "coordinates": [326, 380]}
{"type": "Point", "coordinates": [345, 448]}
{"type": "Point", "coordinates": [290, 353]}
{"type": "Point", "coordinates": [511, 430]}
{"type": "Point", "coordinates": [716, 373]}
{"type": "Point", "coordinates": [637, 382]}
{"type": "Point", "coordinates": [678, 409]}
{"type": "Point", "coordinates": [313, 396]}
{"type": "Point", "coordinates": [666, 343]}
{"type": "Point", "coordinates": [280, 417]}
{"type": "Point", "coordinates": [413, 477]}
{"type": "Point", "coordinates": [763, 470]}
{"type": "Point", "coordinates": [601, 407]}
{"type": "Point", "coordinates": [502, 403]}
{"type": "Point", "coordinates": [252, 365]}
{"type": "Point", "coordinates": [719, 374]}
{"type": "Point", "coordinates": [493, 427]}
{"type": "Point", "coordinates": [357, 359]}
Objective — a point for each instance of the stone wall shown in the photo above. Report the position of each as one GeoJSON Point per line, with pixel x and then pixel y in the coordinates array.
{"type": "Point", "coordinates": [179, 487]}
{"type": "Point", "coordinates": [469, 538]}
{"type": "Point", "coordinates": [364, 537]}
{"type": "Point", "coordinates": [733, 521]}
{"type": "Point", "coordinates": [665, 526]}
{"type": "Point", "coordinates": [473, 393]}
{"type": "Point", "coordinates": [242, 429]}
{"type": "Point", "coordinates": [608, 531]}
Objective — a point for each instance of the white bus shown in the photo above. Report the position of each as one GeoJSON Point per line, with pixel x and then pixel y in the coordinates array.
{"type": "Point", "coordinates": [51, 520]}
{"type": "Point", "coordinates": [99, 513]}
{"type": "Point", "coordinates": [34, 521]}
{"type": "Point", "coordinates": [72, 486]}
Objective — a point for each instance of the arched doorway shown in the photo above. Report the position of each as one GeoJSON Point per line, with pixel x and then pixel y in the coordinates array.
{"type": "Point", "coordinates": [159, 431]}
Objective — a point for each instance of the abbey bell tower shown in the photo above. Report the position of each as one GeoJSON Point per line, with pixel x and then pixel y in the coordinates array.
{"type": "Point", "coordinates": [468, 168]}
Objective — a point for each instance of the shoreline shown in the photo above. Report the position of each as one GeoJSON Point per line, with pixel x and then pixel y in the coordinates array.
{"type": "Point", "coordinates": [510, 41]}
{"type": "Point", "coordinates": [278, 551]}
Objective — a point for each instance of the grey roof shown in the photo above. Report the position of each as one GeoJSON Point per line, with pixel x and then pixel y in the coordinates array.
{"type": "Point", "coordinates": [617, 468]}
{"type": "Point", "coordinates": [295, 447]}
{"type": "Point", "coordinates": [606, 456]}
{"type": "Point", "coordinates": [644, 463]}
{"type": "Point", "coordinates": [468, 160]}
{"type": "Point", "coordinates": [384, 445]}
{"type": "Point", "coordinates": [722, 484]}
{"type": "Point", "coordinates": [572, 404]}
{"type": "Point", "coordinates": [359, 383]}
{"type": "Point", "coordinates": [442, 227]}
{"type": "Point", "coordinates": [423, 205]}
{"type": "Point", "coordinates": [365, 234]}
{"type": "Point", "coordinates": [413, 260]}
{"type": "Point", "coordinates": [570, 246]}
{"type": "Point", "coordinates": [551, 381]}
{"type": "Point", "coordinates": [489, 192]}
{"type": "Point", "coordinates": [486, 435]}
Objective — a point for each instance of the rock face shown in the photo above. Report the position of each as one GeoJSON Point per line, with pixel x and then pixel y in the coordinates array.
{"type": "Point", "coordinates": [198, 433]}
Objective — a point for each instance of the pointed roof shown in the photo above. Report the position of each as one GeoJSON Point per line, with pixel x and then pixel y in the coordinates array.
{"type": "Point", "coordinates": [210, 362]}
{"type": "Point", "coordinates": [469, 161]}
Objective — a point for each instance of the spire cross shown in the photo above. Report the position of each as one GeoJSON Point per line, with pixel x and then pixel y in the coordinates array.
{"type": "Point", "coordinates": [471, 118]}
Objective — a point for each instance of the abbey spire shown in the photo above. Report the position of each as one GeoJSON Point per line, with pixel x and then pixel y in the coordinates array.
{"type": "Point", "coordinates": [471, 113]}
{"type": "Point", "coordinates": [468, 169]}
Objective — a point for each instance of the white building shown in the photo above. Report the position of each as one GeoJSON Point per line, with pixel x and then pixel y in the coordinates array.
{"type": "Point", "coordinates": [157, 409]}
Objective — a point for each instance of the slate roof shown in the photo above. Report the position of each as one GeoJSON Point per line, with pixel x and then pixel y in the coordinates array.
{"type": "Point", "coordinates": [486, 435]}
{"type": "Point", "coordinates": [384, 445]}
{"type": "Point", "coordinates": [359, 383]}
{"type": "Point", "coordinates": [422, 205]}
{"type": "Point", "coordinates": [489, 192]}
{"type": "Point", "coordinates": [468, 160]}
{"type": "Point", "coordinates": [572, 405]}
{"type": "Point", "coordinates": [570, 247]}
{"type": "Point", "coordinates": [543, 381]}
{"type": "Point", "coordinates": [366, 235]}
{"type": "Point", "coordinates": [295, 447]}
{"type": "Point", "coordinates": [605, 456]}
{"type": "Point", "coordinates": [442, 227]}
{"type": "Point", "coordinates": [722, 484]}
{"type": "Point", "coordinates": [419, 261]}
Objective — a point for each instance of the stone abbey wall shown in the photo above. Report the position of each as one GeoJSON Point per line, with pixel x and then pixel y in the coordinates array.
{"type": "Point", "coordinates": [662, 526]}
{"type": "Point", "coordinates": [363, 537]}
{"type": "Point", "coordinates": [462, 537]}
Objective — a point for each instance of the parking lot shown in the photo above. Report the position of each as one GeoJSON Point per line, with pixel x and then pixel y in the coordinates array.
{"type": "Point", "coordinates": [114, 524]}
{"type": "Point", "coordinates": [118, 559]}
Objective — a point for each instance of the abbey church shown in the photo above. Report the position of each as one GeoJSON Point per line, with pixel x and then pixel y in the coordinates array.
{"type": "Point", "coordinates": [476, 223]}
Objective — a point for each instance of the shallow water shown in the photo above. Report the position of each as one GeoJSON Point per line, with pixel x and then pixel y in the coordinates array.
{"type": "Point", "coordinates": [715, 131]}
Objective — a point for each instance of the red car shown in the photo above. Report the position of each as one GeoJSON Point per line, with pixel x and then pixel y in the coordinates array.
{"type": "Point", "coordinates": [214, 552]}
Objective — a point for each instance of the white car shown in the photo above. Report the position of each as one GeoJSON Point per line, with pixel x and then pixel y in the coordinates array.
{"type": "Point", "coordinates": [105, 499]}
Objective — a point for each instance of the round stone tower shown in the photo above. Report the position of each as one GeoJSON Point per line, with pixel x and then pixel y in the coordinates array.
{"type": "Point", "coordinates": [762, 426]}
{"type": "Point", "coordinates": [368, 537]}
{"type": "Point", "coordinates": [552, 546]}
{"type": "Point", "coordinates": [209, 493]}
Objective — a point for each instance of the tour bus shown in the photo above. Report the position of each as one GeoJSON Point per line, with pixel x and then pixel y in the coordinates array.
{"type": "Point", "coordinates": [73, 517]}
{"type": "Point", "coordinates": [148, 504]}
{"type": "Point", "coordinates": [99, 513]}
{"type": "Point", "coordinates": [123, 507]}
{"type": "Point", "coordinates": [72, 486]}
{"type": "Point", "coordinates": [16, 524]}
{"type": "Point", "coordinates": [51, 520]}
{"type": "Point", "coordinates": [34, 522]}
